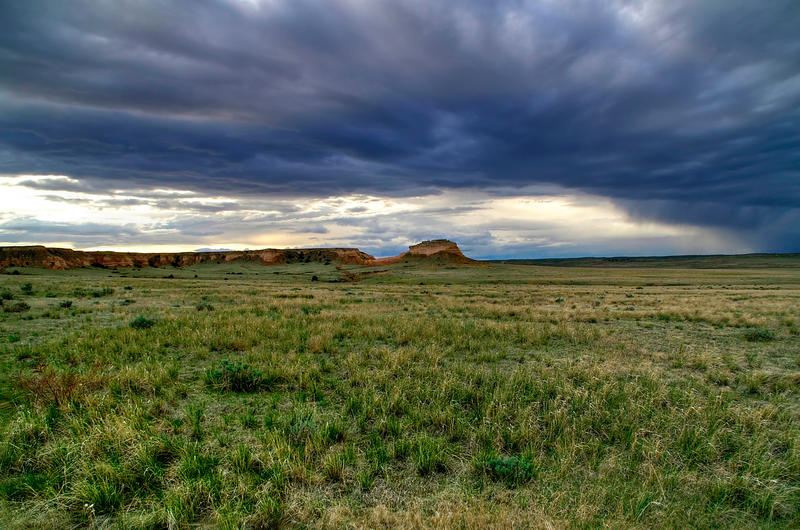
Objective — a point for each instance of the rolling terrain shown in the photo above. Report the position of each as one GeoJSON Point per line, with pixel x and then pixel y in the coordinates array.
{"type": "Point", "coordinates": [732, 261]}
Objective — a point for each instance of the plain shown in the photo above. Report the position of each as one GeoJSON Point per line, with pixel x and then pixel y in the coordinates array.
{"type": "Point", "coordinates": [493, 395]}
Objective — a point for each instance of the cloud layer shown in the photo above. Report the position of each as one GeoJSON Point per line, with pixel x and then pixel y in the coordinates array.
{"type": "Point", "coordinates": [676, 112]}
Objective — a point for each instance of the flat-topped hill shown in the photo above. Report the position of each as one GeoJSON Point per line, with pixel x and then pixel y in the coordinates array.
{"type": "Point", "coordinates": [438, 251]}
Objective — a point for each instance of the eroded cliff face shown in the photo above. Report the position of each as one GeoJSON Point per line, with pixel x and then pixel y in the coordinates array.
{"type": "Point", "coordinates": [64, 258]}
{"type": "Point", "coordinates": [437, 251]}
{"type": "Point", "coordinates": [437, 246]}
{"type": "Point", "coordinates": [440, 251]}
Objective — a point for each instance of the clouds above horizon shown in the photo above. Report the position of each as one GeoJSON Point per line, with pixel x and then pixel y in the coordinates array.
{"type": "Point", "coordinates": [670, 113]}
{"type": "Point", "coordinates": [544, 221]}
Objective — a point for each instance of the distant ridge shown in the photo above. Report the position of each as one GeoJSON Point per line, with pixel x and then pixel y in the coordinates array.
{"type": "Point", "coordinates": [700, 261]}
{"type": "Point", "coordinates": [436, 252]}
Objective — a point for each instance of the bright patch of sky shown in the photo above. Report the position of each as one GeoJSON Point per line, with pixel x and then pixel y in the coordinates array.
{"type": "Point", "coordinates": [535, 222]}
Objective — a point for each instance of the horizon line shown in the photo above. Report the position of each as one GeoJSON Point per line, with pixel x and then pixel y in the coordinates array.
{"type": "Point", "coordinates": [203, 250]}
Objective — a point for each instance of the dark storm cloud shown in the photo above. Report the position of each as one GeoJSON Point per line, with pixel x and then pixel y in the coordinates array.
{"type": "Point", "coordinates": [682, 111]}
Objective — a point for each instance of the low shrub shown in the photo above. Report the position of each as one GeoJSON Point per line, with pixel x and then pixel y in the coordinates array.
{"type": "Point", "coordinates": [758, 335]}
{"type": "Point", "coordinates": [513, 470]}
{"type": "Point", "coordinates": [27, 288]}
{"type": "Point", "coordinates": [141, 322]}
{"type": "Point", "coordinates": [19, 307]}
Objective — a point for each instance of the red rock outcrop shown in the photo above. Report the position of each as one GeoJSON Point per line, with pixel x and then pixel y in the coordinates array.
{"type": "Point", "coordinates": [437, 251]}
{"type": "Point", "coordinates": [64, 258]}
{"type": "Point", "coordinates": [440, 251]}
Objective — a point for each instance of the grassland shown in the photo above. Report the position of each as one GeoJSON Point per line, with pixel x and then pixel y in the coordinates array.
{"type": "Point", "coordinates": [246, 396]}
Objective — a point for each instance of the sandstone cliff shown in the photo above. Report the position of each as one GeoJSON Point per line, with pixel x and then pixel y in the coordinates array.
{"type": "Point", "coordinates": [63, 258]}
{"type": "Point", "coordinates": [439, 251]}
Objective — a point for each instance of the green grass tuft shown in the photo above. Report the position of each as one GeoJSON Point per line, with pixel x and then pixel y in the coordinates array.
{"type": "Point", "coordinates": [430, 455]}
{"type": "Point", "coordinates": [237, 377]}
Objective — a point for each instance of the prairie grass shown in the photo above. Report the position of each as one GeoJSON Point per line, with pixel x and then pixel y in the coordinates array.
{"type": "Point", "coordinates": [502, 395]}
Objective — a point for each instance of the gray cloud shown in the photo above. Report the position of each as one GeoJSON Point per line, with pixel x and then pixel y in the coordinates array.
{"type": "Point", "coordinates": [36, 225]}
{"type": "Point", "coordinates": [26, 229]}
{"type": "Point", "coordinates": [680, 111]}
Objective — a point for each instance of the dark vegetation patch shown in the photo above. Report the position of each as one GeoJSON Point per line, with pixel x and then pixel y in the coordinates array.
{"type": "Point", "coordinates": [142, 322]}
{"type": "Point", "coordinates": [17, 307]}
{"type": "Point", "coordinates": [204, 305]}
{"type": "Point", "coordinates": [238, 377]}
{"type": "Point", "coordinates": [512, 470]}
{"type": "Point", "coordinates": [758, 335]}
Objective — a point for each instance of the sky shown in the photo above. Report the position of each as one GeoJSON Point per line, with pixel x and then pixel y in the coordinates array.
{"type": "Point", "coordinates": [549, 128]}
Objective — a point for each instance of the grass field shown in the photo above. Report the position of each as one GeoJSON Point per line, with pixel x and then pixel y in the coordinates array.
{"type": "Point", "coordinates": [497, 395]}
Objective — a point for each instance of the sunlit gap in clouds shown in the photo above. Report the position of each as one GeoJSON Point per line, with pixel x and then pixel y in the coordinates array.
{"type": "Point", "coordinates": [57, 210]}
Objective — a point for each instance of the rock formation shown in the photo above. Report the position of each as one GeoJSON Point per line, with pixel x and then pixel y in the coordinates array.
{"type": "Point", "coordinates": [63, 258]}
{"type": "Point", "coordinates": [439, 251]}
